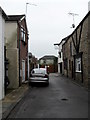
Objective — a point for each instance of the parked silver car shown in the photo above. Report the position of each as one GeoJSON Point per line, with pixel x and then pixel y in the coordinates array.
{"type": "Point", "coordinates": [39, 75]}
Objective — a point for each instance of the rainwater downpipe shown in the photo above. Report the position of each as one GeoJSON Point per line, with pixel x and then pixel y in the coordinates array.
{"type": "Point", "coordinates": [19, 53]}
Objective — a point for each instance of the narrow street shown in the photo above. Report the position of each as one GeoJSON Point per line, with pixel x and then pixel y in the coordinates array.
{"type": "Point", "coordinates": [61, 99]}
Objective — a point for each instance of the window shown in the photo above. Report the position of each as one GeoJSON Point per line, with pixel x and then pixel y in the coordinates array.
{"type": "Point", "coordinates": [78, 64]}
{"type": "Point", "coordinates": [41, 62]}
{"type": "Point", "coordinates": [49, 61]}
{"type": "Point", "coordinates": [70, 65]}
{"type": "Point", "coordinates": [39, 71]}
{"type": "Point", "coordinates": [22, 34]}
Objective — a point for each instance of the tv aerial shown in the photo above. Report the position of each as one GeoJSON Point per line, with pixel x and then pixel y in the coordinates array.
{"type": "Point", "coordinates": [73, 15]}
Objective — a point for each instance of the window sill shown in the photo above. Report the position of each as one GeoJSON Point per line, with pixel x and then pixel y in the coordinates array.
{"type": "Point", "coordinates": [78, 71]}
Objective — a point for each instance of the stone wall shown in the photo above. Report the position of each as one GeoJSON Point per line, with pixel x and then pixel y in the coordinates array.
{"type": "Point", "coordinates": [12, 54]}
{"type": "Point", "coordinates": [84, 48]}
{"type": "Point", "coordinates": [89, 50]}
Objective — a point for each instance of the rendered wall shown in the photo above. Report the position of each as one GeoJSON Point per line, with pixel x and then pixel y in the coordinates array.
{"type": "Point", "coordinates": [11, 35]}
{"type": "Point", "coordinates": [13, 68]}
{"type": "Point", "coordinates": [2, 24]}
{"type": "Point", "coordinates": [12, 54]}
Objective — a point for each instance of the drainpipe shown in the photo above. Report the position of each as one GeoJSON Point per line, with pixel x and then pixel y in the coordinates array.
{"type": "Point", "coordinates": [5, 69]}
{"type": "Point", "coordinates": [28, 57]}
{"type": "Point", "coordinates": [19, 52]}
{"type": "Point", "coordinates": [82, 67]}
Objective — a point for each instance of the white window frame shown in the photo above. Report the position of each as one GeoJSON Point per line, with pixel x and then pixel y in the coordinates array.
{"type": "Point", "coordinates": [23, 70]}
{"type": "Point", "coordinates": [22, 34]}
{"type": "Point", "coordinates": [78, 64]}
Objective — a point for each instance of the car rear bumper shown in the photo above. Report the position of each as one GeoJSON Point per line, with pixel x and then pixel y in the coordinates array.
{"type": "Point", "coordinates": [38, 82]}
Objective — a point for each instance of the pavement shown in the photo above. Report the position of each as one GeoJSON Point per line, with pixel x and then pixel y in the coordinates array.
{"type": "Point", "coordinates": [13, 98]}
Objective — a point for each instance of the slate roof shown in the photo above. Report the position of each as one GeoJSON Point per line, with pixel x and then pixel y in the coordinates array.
{"type": "Point", "coordinates": [15, 17]}
{"type": "Point", "coordinates": [48, 57]}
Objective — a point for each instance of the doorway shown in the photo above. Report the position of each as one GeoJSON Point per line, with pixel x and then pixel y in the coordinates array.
{"type": "Point", "coordinates": [61, 68]}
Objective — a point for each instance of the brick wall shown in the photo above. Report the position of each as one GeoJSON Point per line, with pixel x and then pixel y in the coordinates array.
{"type": "Point", "coordinates": [24, 50]}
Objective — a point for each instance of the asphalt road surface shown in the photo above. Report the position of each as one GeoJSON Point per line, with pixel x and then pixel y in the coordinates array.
{"type": "Point", "coordinates": [61, 99]}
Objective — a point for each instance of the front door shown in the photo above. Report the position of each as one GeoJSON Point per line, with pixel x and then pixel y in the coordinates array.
{"type": "Point", "coordinates": [72, 69]}
{"type": "Point", "coordinates": [61, 68]}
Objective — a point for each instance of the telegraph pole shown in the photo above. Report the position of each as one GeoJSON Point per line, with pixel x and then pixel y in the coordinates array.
{"type": "Point", "coordinates": [28, 39]}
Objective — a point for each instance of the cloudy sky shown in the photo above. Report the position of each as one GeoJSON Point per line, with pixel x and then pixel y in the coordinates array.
{"type": "Point", "coordinates": [48, 22]}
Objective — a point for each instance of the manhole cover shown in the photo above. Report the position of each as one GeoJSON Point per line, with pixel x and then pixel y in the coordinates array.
{"type": "Point", "coordinates": [64, 99]}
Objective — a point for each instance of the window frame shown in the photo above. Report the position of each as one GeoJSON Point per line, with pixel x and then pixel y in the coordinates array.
{"type": "Point", "coordinates": [78, 67]}
{"type": "Point", "coordinates": [23, 35]}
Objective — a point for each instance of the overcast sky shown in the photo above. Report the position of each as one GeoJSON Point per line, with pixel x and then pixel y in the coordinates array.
{"type": "Point", "coordinates": [48, 22]}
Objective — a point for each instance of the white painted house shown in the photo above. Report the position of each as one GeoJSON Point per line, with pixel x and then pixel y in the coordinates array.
{"type": "Point", "coordinates": [2, 26]}
{"type": "Point", "coordinates": [60, 56]}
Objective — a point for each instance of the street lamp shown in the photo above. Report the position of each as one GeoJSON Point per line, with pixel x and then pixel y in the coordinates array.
{"type": "Point", "coordinates": [26, 20]}
{"type": "Point", "coordinates": [29, 4]}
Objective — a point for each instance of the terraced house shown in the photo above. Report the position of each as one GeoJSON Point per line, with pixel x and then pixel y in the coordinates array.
{"type": "Point", "coordinates": [16, 35]}
{"type": "Point", "coordinates": [76, 53]}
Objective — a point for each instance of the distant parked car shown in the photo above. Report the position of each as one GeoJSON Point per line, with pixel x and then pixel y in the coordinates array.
{"type": "Point", "coordinates": [39, 75]}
